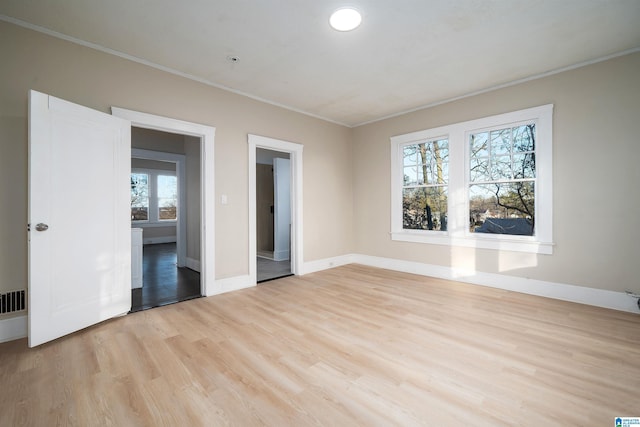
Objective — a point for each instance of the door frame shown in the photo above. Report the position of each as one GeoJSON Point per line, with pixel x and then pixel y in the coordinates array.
{"type": "Point", "coordinates": [295, 157]}
{"type": "Point", "coordinates": [207, 188]}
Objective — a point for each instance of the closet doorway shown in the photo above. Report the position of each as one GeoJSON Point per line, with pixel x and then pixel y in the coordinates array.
{"type": "Point", "coordinates": [286, 160]}
{"type": "Point", "coordinates": [273, 215]}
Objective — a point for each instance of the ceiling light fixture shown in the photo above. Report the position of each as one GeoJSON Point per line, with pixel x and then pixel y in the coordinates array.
{"type": "Point", "coordinates": [345, 19]}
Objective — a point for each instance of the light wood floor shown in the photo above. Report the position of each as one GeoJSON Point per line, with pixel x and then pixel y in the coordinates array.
{"type": "Point", "coordinates": [344, 347]}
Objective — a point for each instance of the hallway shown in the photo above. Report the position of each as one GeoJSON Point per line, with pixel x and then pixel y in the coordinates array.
{"type": "Point", "coordinates": [163, 282]}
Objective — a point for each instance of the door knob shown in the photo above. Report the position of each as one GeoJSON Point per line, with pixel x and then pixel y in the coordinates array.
{"type": "Point", "coordinates": [42, 227]}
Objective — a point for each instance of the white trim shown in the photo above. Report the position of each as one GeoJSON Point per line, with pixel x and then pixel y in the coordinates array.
{"type": "Point", "coordinates": [144, 224]}
{"type": "Point", "coordinates": [573, 293]}
{"type": "Point", "coordinates": [161, 239]}
{"type": "Point", "coordinates": [327, 263]}
{"type": "Point", "coordinates": [193, 264]}
{"type": "Point", "coordinates": [295, 157]}
{"type": "Point", "coordinates": [280, 255]}
{"type": "Point", "coordinates": [206, 134]}
{"type": "Point", "coordinates": [13, 328]}
{"type": "Point", "coordinates": [457, 233]}
{"type": "Point", "coordinates": [480, 242]}
{"type": "Point", "coordinates": [231, 284]}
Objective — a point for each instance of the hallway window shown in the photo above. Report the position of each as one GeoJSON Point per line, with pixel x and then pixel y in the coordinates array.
{"type": "Point", "coordinates": [154, 196]}
{"type": "Point", "coordinates": [139, 197]}
{"type": "Point", "coordinates": [167, 197]}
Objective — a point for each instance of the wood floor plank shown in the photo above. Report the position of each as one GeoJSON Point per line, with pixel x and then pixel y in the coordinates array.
{"type": "Point", "coordinates": [353, 345]}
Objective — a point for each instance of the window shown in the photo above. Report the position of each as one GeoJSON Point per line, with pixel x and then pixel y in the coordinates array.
{"type": "Point", "coordinates": [154, 196]}
{"type": "Point", "coordinates": [484, 183]}
{"type": "Point", "coordinates": [139, 197]}
{"type": "Point", "coordinates": [424, 191]}
{"type": "Point", "coordinates": [167, 197]}
{"type": "Point", "coordinates": [502, 171]}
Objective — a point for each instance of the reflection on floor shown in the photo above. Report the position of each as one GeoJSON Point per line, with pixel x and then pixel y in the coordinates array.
{"type": "Point", "coordinates": [269, 269]}
{"type": "Point", "coordinates": [163, 282]}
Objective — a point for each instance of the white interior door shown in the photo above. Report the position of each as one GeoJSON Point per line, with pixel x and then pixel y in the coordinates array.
{"type": "Point", "coordinates": [282, 209]}
{"type": "Point", "coordinates": [79, 203]}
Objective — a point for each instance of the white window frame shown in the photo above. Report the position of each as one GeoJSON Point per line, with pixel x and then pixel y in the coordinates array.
{"type": "Point", "coordinates": [154, 214]}
{"type": "Point", "coordinates": [458, 233]}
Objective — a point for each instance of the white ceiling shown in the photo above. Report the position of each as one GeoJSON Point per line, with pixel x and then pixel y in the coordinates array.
{"type": "Point", "coordinates": [407, 54]}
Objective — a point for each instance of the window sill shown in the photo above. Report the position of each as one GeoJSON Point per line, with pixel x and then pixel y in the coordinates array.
{"type": "Point", "coordinates": [515, 244]}
{"type": "Point", "coordinates": [146, 224]}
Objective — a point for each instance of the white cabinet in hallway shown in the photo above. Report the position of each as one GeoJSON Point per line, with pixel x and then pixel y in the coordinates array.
{"type": "Point", "coordinates": [136, 258]}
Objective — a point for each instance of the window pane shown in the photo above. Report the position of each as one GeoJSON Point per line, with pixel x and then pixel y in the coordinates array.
{"type": "Point", "coordinates": [502, 208]}
{"type": "Point", "coordinates": [524, 138]}
{"type": "Point", "coordinates": [167, 197]}
{"type": "Point", "coordinates": [169, 212]}
{"type": "Point", "coordinates": [413, 175]}
{"type": "Point", "coordinates": [139, 197]}
{"type": "Point", "coordinates": [426, 163]}
{"type": "Point", "coordinates": [480, 169]}
{"type": "Point", "coordinates": [480, 144]}
{"type": "Point", "coordinates": [501, 168]}
{"type": "Point", "coordinates": [500, 142]}
{"type": "Point", "coordinates": [524, 165]}
{"type": "Point", "coordinates": [425, 208]}
{"type": "Point", "coordinates": [139, 214]}
{"type": "Point", "coordinates": [410, 156]}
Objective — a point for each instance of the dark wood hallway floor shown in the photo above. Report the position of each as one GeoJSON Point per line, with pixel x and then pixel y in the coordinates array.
{"type": "Point", "coordinates": [163, 282]}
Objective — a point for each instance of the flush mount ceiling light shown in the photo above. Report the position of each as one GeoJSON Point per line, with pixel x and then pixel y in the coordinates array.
{"type": "Point", "coordinates": [345, 19]}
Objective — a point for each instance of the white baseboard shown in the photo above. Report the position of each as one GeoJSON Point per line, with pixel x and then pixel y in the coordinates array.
{"type": "Point", "coordinates": [580, 294]}
{"type": "Point", "coordinates": [193, 264]}
{"type": "Point", "coordinates": [230, 284]}
{"type": "Point", "coordinates": [280, 255]}
{"type": "Point", "coordinates": [154, 240]}
{"type": "Point", "coordinates": [327, 263]}
{"type": "Point", "coordinates": [13, 328]}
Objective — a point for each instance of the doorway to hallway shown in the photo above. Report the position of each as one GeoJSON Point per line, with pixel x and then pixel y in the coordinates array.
{"type": "Point", "coordinates": [163, 281]}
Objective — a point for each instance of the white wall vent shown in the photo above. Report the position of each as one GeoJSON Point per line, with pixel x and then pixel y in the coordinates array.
{"type": "Point", "coordinates": [13, 301]}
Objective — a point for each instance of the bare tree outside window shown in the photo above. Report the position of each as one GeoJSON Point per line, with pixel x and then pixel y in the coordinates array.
{"type": "Point", "coordinates": [167, 197]}
{"type": "Point", "coordinates": [424, 192]}
{"type": "Point", "coordinates": [139, 197]}
{"type": "Point", "coordinates": [502, 176]}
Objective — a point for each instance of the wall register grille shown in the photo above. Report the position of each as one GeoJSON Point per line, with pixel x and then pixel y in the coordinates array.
{"type": "Point", "coordinates": [13, 301]}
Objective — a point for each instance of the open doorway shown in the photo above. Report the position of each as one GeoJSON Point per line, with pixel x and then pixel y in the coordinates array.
{"type": "Point", "coordinates": [273, 215]}
{"type": "Point", "coordinates": [165, 211]}
{"type": "Point", "coordinates": [289, 156]}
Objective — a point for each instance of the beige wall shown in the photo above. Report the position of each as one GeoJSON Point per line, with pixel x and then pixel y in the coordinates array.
{"type": "Point", "coordinates": [264, 203]}
{"type": "Point", "coordinates": [31, 60]}
{"type": "Point", "coordinates": [596, 177]}
{"type": "Point", "coordinates": [149, 139]}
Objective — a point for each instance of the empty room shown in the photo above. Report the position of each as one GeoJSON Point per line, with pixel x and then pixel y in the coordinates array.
{"type": "Point", "coordinates": [371, 213]}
